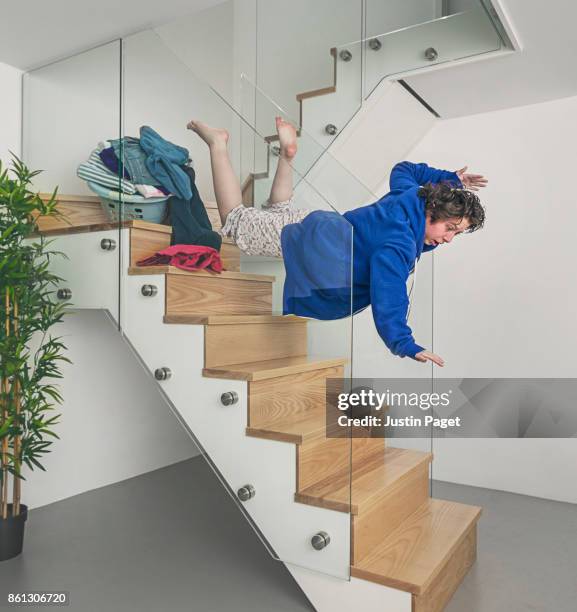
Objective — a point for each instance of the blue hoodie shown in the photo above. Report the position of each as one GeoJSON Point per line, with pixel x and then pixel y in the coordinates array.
{"type": "Point", "coordinates": [338, 265]}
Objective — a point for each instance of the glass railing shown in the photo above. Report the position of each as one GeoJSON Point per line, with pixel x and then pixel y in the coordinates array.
{"type": "Point", "coordinates": [68, 108]}
{"type": "Point", "coordinates": [452, 37]}
{"type": "Point", "coordinates": [274, 367]}
{"type": "Point", "coordinates": [297, 65]}
{"type": "Point", "coordinates": [326, 177]}
{"type": "Point", "coordinates": [399, 38]}
{"type": "Point", "coordinates": [247, 383]}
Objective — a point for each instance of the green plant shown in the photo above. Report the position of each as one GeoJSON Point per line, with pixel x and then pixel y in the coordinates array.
{"type": "Point", "coordinates": [28, 309]}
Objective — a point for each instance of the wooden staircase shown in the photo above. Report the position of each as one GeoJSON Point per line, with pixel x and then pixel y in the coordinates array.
{"type": "Point", "coordinates": [401, 538]}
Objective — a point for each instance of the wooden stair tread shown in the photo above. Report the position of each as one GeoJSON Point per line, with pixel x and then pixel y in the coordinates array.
{"type": "Point", "coordinates": [112, 225]}
{"type": "Point", "coordinates": [167, 229]}
{"type": "Point", "coordinates": [259, 370]}
{"type": "Point", "coordinates": [414, 554]}
{"type": "Point", "coordinates": [368, 483]}
{"type": "Point", "coordinates": [215, 319]}
{"type": "Point", "coordinates": [296, 429]}
{"type": "Point", "coordinates": [89, 227]}
{"type": "Point", "coordinates": [144, 270]}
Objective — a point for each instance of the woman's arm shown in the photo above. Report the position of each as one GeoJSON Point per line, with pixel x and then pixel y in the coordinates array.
{"type": "Point", "coordinates": [406, 175]}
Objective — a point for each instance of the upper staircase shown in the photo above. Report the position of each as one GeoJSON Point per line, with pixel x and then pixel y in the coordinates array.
{"type": "Point", "coordinates": [366, 119]}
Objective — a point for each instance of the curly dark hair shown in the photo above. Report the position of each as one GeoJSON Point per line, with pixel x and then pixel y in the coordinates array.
{"type": "Point", "coordinates": [445, 200]}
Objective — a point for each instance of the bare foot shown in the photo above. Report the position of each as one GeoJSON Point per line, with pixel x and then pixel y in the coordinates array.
{"type": "Point", "coordinates": [287, 137]}
{"type": "Point", "coordinates": [212, 136]}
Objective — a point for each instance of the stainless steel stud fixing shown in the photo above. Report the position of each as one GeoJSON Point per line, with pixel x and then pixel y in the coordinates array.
{"type": "Point", "coordinates": [431, 54]}
{"type": "Point", "coordinates": [245, 493]}
{"type": "Point", "coordinates": [320, 540]}
{"type": "Point", "coordinates": [108, 244]}
{"type": "Point", "coordinates": [331, 129]}
{"type": "Point", "coordinates": [149, 290]}
{"type": "Point", "coordinates": [346, 55]}
{"type": "Point", "coordinates": [64, 294]}
{"type": "Point", "coordinates": [375, 44]}
{"type": "Point", "coordinates": [229, 398]}
{"type": "Point", "coordinates": [275, 150]}
{"type": "Point", "coordinates": [162, 373]}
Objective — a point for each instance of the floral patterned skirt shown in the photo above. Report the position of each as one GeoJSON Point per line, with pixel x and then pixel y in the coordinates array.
{"type": "Point", "coordinates": [257, 231]}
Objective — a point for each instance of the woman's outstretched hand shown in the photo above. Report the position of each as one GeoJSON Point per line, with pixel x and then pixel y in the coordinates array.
{"type": "Point", "coordinates": [425, 356]}
{"type": "Point", "coordinates": [471, 181]}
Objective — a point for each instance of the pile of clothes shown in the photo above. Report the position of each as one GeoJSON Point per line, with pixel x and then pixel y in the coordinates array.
{"type": "Point", "coordinates": [153, 167]}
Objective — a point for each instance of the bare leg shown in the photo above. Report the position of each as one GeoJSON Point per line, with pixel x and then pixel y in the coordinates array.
{"type": "Point", "coordinates": [282, 185]}
{"type": "Point", "coordinates": [226, 185]}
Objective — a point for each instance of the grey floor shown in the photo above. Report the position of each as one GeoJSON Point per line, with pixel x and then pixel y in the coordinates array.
{"type": "Point", "coordinates": [526, 553]}
{"type": "Point", "coordinates": [173, 540]}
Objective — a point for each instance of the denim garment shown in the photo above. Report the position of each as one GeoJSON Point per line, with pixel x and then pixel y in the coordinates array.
{"type": "Point", "coordinates": [109, 159]}
{"type": "Point", "coordinates": [134, 159]}
{"type": "Point", "coordinates": [164, 160]}
{"type": "Point", "coordinates": [190, 222]}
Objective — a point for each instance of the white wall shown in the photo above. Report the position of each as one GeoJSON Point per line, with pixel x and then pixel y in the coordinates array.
{"type": "Point", "coordinates": [10, 111]}
{"type": "Point", "coordinates": [115, 424]}
{"type": "Point", "coordinates": [204, 41]}
{"type": "Point", "coordinates": [68, 108]}
{"type": "Point", "coordinates": [506, 297]}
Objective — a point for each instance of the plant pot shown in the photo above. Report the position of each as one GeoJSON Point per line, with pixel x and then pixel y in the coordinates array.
{"type": "Point", "coordinates": [12, 533]}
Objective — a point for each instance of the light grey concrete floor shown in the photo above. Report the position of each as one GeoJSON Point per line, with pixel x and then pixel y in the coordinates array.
{"type": "Point", "coordinates": [526, 553]}
{"type": "Point", "coordinates": [172, 540]}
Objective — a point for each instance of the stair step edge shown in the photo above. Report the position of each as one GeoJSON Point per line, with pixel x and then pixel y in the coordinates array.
{"type": "Point", "coordinates": [411, 586]}
{"type": "Point", "coordinates": [273, 368]}
{"type": "Point", "coordinates": [212, 319]}
{"type": "Point", "coordinates": [269, 432]}
{"type": "Point", "coordinates": [356, 507]}
{"type": "Point", "coordinates": [152, 270]}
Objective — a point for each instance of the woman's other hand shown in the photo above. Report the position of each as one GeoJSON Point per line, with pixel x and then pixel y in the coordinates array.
{"type": "Point", "coordinates": [425, 356]}
{"type": "Point", "coordinates": [471, 181]}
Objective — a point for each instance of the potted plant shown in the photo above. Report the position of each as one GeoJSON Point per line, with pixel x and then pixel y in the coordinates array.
{"type": "Point", "coordinates": [29, 355]}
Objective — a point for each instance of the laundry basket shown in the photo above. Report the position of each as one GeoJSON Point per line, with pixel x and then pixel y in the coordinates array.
{"type": "Point", "coordinates": [125, 207]}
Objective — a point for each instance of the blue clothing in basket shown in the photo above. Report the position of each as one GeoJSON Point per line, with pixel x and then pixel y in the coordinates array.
{"type": "Point", "coordinates": [163, 160]}
{"type": "Point", "coordinates": [128, 150]}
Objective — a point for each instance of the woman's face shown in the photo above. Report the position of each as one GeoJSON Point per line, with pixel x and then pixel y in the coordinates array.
{"type": "Point", "coordinates": [444, 230]}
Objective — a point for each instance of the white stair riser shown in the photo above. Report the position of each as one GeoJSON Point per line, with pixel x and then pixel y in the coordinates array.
{"type": "Point", "coordinates": [89, 272]}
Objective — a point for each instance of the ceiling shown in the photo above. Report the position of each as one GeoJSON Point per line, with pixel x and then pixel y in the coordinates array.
{"type": "Point", "coordinates": [35, 33]}
{"type": "Point", "coordinates": [543, 70]}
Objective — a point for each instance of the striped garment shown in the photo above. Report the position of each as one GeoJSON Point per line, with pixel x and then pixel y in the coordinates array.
{"type": "Point", "coordinates": [94, 170]}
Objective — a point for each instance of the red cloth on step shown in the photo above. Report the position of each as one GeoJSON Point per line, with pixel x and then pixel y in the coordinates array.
{"type": "Point", "coordinates": [186, 257]}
